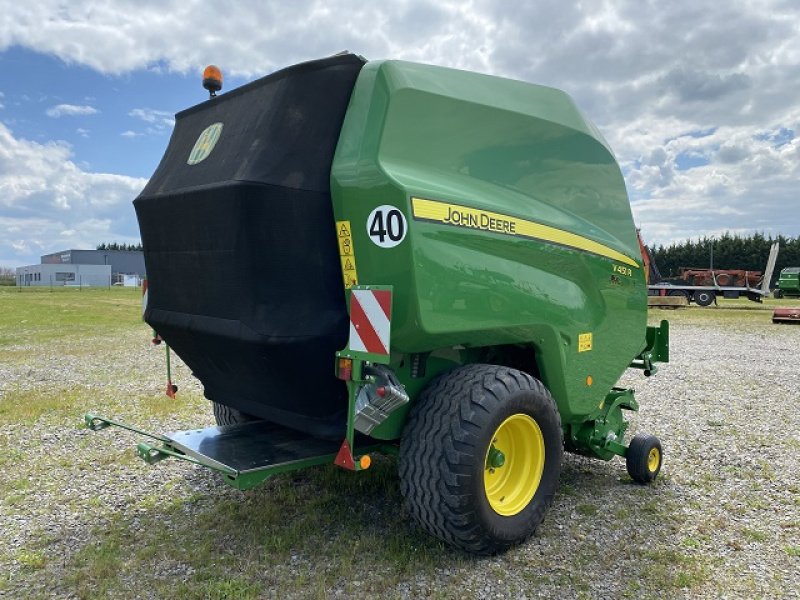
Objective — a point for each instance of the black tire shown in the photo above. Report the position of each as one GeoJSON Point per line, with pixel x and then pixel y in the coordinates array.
{"type": "Point", "coordinates": [446, 446]}
{"type": "Point", "coordinates": [644, 458]}
{"type": "Point", "coordinates": [225, 415]}
{"type": "Point", "coordinates": [777, 294]}
{"type": "Point", "coordinates": [704, 297]}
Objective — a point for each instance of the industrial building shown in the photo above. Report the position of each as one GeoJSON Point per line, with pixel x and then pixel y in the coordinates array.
{"type": "Point", "coordinates": [85, 268]}
{"type": "Point", "coordinates": [64, 275]}
{"type": "Point", "coordinates": [122, 262]}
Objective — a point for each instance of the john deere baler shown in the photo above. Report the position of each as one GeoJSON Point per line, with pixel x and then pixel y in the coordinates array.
{"type": "Point", "coordinates": [384, 256]}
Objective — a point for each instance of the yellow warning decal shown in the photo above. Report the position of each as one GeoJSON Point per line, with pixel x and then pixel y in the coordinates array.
{"type": "Point", "coordinates": [484, 220]}
{"type": "Point", "coordinates": [346, 254]}
{"type": "Point", "coordinates": [348, 263]}
{"type": "Point", "coordinates": [345, 246]}
{"type": "Point", "coordinates": [584, 342]}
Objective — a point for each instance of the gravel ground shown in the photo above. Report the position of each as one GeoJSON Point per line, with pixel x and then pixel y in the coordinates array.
{"type": "Point", "coordinates": [722, 522]}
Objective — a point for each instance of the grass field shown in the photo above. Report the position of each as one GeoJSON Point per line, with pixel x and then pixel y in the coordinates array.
{"type": "Point", "coordinates": [83, 517]}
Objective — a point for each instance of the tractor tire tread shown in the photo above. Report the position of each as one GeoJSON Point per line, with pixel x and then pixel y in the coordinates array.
{"type": "Point", "coordinates": [438, 501]}
{"type": "Point", "coordinates": [225, 415]}
{"type": "Point", "coordinates": [637, 455]}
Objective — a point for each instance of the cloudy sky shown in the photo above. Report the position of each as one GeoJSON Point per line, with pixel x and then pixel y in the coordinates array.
{"type": "Point", "coordinates": [699, 99]}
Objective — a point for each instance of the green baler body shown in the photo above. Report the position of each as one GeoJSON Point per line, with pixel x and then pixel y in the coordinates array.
{"type": "Point", "coordinates": [519, 229]}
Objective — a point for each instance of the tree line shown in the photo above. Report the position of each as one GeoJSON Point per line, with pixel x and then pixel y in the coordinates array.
{"type": "Point", "coordinates": [729, 252]}
{"type": "Point", "coordinates": [8, 276]}
{"type": "Point", "coordinates": [116, 246]}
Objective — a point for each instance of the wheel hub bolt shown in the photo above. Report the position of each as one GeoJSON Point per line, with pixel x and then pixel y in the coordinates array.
{"type": "Point", "coordinates": [496, 458]}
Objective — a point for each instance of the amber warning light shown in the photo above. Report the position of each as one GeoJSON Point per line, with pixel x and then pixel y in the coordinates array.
{"type": "Point", "coordinates": [212, 80]}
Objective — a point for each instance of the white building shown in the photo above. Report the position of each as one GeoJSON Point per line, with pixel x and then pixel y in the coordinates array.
{"type": "Point", "coordinates": [64, 275]}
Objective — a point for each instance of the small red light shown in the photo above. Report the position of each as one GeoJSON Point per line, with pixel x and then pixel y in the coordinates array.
{"type": "Point", "coordinates": [381, 391]}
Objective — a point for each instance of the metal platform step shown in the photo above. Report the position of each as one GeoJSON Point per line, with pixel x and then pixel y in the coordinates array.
{"type": "Point", "coordinates": [249, 453]}
{"type": "Point", "coordinates": [250, 447]}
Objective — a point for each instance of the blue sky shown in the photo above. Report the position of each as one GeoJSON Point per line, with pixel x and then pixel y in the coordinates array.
{"type": "Point", "coordinates": [698, 99]}
{"type": "Point", "coordinates": [132, 112]}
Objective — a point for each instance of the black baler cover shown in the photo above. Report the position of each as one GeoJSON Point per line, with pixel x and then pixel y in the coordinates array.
{"type": "Point", "coordinates": [244, 281]}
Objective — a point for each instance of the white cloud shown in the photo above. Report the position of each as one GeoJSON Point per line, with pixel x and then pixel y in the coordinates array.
{"type": "Point", "coordinates": [47, 203]}
{"type": "Point", "coordinates": [651, 75]}
{"type": "Point", "coordinates": [746, 182]}
{"type": "Point", "coordinates": [252, 38]}
{"type": "Point", "coordinates": [62, 110]}
{"type": "Point", "coordinates": [130, 134]}
{"type": "Point", "coordinates": [148, 115]}
{"type": "Point", "coordinates": [159, 121]}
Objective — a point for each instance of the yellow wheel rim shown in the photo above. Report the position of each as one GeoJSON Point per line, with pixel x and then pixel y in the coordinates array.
{"type": "Point", "coordinates": [653, 460]}
{"type": "Point", "coordinates": [514, 464]}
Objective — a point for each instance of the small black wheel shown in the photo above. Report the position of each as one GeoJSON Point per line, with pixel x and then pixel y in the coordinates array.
{"type": "Point", "coordinates": [704, 297]}
{"type": "Point", "coordinates": [174, 389]}
{"type": "Point", "coordinates": [225, 415]}
{"type": "Point", "coordinates": [644, 457]}
{"type": "Point", "coordinates": [480, 457]}
{"type": "Point", "coordinates": [777, 294]}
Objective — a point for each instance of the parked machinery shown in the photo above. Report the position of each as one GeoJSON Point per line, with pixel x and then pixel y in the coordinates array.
{"type": "Point", "coordinates": [356, 257]}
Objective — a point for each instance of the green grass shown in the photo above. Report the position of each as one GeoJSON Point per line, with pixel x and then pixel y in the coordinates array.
{"type": "Point", "coordinates": [44, 314]}
{"type": "Point", "coordinates": [27, 407]}
{"type": "Point", "coordinates": [351, 520]}
{"type": "Point", "coordinates": [31, 560]}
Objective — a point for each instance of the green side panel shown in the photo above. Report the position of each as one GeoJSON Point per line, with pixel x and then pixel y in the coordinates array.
{"type": "Point", "coordinates": [518, 226]}
{"type": "Point", "coordinates": [789, 281]}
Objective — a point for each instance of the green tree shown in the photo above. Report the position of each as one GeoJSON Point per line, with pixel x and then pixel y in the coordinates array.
{"type": "Point", "coordinates": [730, 251]}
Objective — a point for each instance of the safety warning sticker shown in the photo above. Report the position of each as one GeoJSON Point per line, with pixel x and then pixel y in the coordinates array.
{"type": "Point", "coordinates": [484, 220]}
{"type": "Point", "coordinates": [347, 253]}
{"type": "Point", "coordinates": [584, 342]}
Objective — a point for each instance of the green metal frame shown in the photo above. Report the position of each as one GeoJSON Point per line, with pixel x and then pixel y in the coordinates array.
{"type": "Point", "coordinates": [602, 436]}
{"type": "Point", "coordinates": [656, 350]}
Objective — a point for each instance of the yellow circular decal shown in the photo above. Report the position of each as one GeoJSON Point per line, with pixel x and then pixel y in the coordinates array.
{"type": "Point", "coordinates": [205, 144]}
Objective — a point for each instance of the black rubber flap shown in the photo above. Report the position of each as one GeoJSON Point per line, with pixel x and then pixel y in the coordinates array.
{"type": "Point", "coordinates": [240, 248]}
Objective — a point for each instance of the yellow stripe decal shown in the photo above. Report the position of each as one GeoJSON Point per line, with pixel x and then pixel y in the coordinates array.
{"type": "Point", "coordinates": [484, 220]}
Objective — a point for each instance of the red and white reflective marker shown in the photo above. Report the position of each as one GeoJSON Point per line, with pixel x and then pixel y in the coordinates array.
{"type": "Point", "coordinates": [370, 321]}
{"type": "Point", "coordinates": [144, 297]}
